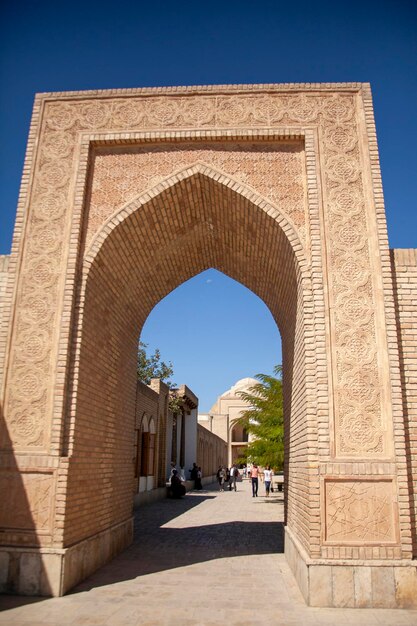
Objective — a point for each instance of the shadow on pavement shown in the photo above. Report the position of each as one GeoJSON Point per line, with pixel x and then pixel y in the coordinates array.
{"type": "Point", "coordinates": [156, 548]}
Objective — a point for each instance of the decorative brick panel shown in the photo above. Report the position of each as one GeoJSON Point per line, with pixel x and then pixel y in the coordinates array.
{"type": "Point", "coordinates": [359, 511]}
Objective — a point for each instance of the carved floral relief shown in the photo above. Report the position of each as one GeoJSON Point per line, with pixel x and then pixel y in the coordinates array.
{"type": "Point", "coordinates": [358, 425]}
{"type": "Point", "coordinates": [276, 172]}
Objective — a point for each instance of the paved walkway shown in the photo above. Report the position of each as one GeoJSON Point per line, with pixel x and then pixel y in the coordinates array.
{"type": "Point", "coordinates": [209, 559]}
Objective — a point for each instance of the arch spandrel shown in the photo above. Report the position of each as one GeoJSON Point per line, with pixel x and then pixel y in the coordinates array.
{"type": "Point", "coordinates": [272, 169]}
{"type": "Point", "coordinates": [203, 208]}
{"type": "Point", "coordinates": [343, 311]}
{"type": "Point", "coordinates": [201, 169]}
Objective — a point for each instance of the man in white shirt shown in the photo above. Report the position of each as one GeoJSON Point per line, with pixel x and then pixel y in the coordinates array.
{"type": "Point", "coordinates": [234, 473]}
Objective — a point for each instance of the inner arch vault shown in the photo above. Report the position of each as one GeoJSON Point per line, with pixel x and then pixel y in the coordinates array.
{"type": "Point", "coordinates": [202, 223]}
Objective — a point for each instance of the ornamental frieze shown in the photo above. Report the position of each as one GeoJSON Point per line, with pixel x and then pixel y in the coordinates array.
{"type": "Point", "coordinates": [277, 174]}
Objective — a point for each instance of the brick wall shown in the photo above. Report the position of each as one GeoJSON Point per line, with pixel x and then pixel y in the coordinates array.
{"type": "Point", "coordinates": [147, 412]}
{"type": "Point", "coordinates": [161, 434]}
{"type": "Point", "coordinates": [211, 451]}
{"type": "Point", "coordinates": [404, 270]}
{"type": "Point", "coordinates": [4, 263]}
{"type": "Point", "coordinates": [299, 507]}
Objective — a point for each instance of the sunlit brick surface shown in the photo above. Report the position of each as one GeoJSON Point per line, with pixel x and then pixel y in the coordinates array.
{"type": "Point", "coordinates": [196, 224]}
{"type": "Point", "coordinates": [404, 264]}
{"type": "Point", "coordinates": [125, 195]}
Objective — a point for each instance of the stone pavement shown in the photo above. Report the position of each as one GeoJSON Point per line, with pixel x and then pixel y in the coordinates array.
{"type": "Point", "coordinates": [209, 559]}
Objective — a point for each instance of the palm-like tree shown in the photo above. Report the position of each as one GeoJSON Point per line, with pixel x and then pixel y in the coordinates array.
{"type": "Point", "coordinates": [264, 420]}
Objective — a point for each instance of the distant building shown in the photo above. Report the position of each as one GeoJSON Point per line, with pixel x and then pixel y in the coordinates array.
{"type": "Point", "coordinates": [222, 416]}
{"type": "Point", "coordinates": [162, 438]}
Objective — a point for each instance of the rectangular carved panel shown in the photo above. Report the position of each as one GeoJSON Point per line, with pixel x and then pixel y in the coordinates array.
{"type": "Point", "coordinates": [29, 495]}
{"type": "Point", "coordinates": [359, 511]}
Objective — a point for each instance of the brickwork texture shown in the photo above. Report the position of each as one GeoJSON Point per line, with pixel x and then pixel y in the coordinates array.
{"type": "Point", "coordinates": [125, 195]}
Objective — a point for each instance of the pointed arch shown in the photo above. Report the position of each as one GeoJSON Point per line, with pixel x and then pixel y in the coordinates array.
{"type": "Point", "coordinates": [197, 219]}
{"type": "Point", "coordinates": [198, 169]}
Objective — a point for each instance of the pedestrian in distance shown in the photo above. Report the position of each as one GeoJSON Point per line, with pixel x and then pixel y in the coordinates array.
{"type": "Point", "coordinates": [198, 484]}
{"type": "Point", "coordinates": [221, 475]}
{"type": "Point", "coordinates": [177, 489]}
{"type": "Point", "coordinates": [193, 474]}
{"type": "Point", "coordinates": [171, 470]}
{"type": "Point", "coordinates": [234, 473]}
{"type": "Point", "coordinates": [268, 473]}
{"type": "Point", "coordinates": [255, 482]}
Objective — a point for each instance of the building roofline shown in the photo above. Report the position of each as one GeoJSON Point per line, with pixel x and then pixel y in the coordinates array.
{"type": "Point", "coordinates": [201, 89]}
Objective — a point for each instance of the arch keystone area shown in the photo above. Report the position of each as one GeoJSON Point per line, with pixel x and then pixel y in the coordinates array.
{"type": "Point", "coordinates": [199, 170]}
{"type": "Point", "coordinates": [125, 195]}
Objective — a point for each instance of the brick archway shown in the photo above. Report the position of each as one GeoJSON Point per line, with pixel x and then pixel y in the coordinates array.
{"type": "Point", "coordinates": [205, 223]}
{"type": "Point", "coordinates": [126, 196]}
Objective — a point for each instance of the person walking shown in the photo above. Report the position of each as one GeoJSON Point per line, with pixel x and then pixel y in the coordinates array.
{"type": "Point", "coordinates": [221, 475]}
{"type": "Point", "coordinates": [227, 477]}
{"type": "Point", "coordinates": [268, 473]}
{"type": "Point", "coordinates": [255, 482]}
{"type": "Point", "coordinates": [234, 473]}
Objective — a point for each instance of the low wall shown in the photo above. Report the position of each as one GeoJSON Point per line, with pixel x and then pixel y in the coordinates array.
{"type": "Point", "coordinates": [54, 571]}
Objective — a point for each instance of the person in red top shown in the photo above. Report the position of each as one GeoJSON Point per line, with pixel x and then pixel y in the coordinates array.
{"type": "Point", "coordinates": [255, 482]}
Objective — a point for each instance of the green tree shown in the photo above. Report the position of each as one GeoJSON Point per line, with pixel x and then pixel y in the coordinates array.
{"type": "Point", "coordinates": [153, 367]}
{"type": "Point", "coordinates": [149, 367]}
{"type": "Point", "coordinates": [264, 420]}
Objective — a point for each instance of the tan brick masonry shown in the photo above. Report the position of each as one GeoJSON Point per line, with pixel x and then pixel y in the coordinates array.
{"type": "Point", "coordinates": [125, 195]}
{"type": "Point", "coordinates": [207, 560]}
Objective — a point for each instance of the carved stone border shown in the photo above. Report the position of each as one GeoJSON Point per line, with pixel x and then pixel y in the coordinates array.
{"type": "Point", "coordinates": [390, 319]}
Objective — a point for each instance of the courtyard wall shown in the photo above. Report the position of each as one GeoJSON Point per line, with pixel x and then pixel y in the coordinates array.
{"type": "Point", "coordinates": [404, 271]}
{"type": "Point", "coordinates": [211, 452]}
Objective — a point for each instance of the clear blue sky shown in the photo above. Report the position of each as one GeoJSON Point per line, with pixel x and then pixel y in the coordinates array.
{"type": "Point", "coordinates": [58, 46]}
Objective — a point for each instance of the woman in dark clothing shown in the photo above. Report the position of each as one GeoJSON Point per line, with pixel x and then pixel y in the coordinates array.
{"type": "Point", "coordinates": [198, 484]}
{"type": "Point", "coordinates": [177, 488]}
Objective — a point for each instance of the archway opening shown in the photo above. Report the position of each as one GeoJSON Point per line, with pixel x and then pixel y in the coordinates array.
{"type": "Point", "coordinates": [196, 223]}
{"type": "Point", "coordinates": [218, 335]}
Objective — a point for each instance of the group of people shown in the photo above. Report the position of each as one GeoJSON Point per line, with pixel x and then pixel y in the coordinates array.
{"type": "Point", "coordinates": [226, 477]}
{"type": "Point", "coordinates": [254, 473]}
{"type": "Point", "coordinates": [176, 487]}
{"type": "Point", "coordinates": [229, 476]}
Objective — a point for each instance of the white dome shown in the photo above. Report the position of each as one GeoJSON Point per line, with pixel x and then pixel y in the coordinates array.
{"type": "Point", "coordinates": [241, 385]}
